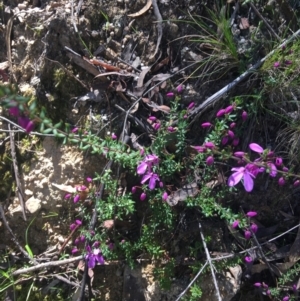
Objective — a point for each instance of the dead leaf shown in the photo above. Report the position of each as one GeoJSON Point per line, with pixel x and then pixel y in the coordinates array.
{"type": "Point", "coordinates": [66, 188]}
{"type": "Point", "coordinates": [142, 11]}
{"type": "Point", "coordinates": [188, 190]}
{"type": "Point", "coordinates": [135, 108]}
{"type": "Point", "coordinates": [244, 23]}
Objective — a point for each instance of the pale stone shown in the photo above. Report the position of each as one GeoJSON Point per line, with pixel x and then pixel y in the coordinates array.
{"type": "Point", "coordinates": [33, 205]}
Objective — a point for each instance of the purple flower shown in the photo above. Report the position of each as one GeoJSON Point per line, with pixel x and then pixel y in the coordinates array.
{"type": "Point", "coordinates": [251, 213]}
{"type": "Point", "coordinates": [143, 196]}
{"type": "Point", "coordinates": [170, 94]}
{"type": "Point", "coordinates": [191, 105]}
{"type": "Point", "coordinates": [221, 113]}
{"type": "Point", "coordinates": [206, 125]}
{"type": "Point", "coordinates": [239, 174]}
{"type": "Point", "coordinates": [229, 109]}
{"type": "Point", "coordinates": [278, 161]}
{"type": "Point", "coordinates": [93, 257]}
{"type": "Point", "coordinates": [257, 284]}
{"type": "Point", "coordinates": [14, 111]}
{"type": "Point", "coordinates": [77, 241]}
{"type": "Point", "coordinates": [165, 196]}
{"type": "Point", "coordinates": [235, 141]}
{"type": "Point", "coordinates": [231, 134]}
{"type": "Point", "coordinates": [156, 126]}
{"type": "Point", "coordinates": [285, 169]}
{"type": "Point", "coordinates": [170, 129]}
{"type": "Point", "coordinates": [78, 222]}
{"type": "Point", "coordinates": [73, 227]}
{"type": "Point", "coordinates": [152, 118]}
{"type": "Point", "coordinates": [224, 140]}
{"type": "Point", "coordinates": [114, 136]}
{"type": "Point", "coordinates": [248, 259]}
{"type": "Point", "coordinates": [288, 62]}
{"type": "Point", "coordinates": [254, 228]}
{"type": "Point", "coordinates": [256, 148]}
{"type": "Point", "coordinates": [74, 250]}
{"type": "Point", "coordinates": [67, 196]}
{"type": "Point", "coordinates": [247, 234]}
{"type": "Point", "coordinates": [276, 64]}
{"type": "Point", "coordinates": [75, 130]}
{"type": "Point", "coordinates": [161, 184]}
{"type": "Point", "coordinates": [235, 224]}
{"type": "Point", "coordinates": [239, 154]}
{"type": "Point", "coordinates": [76, 198]}
{"type": "Point", "coordinates": [232, 125]}
{"type": "Point", "coordinates": [82, 238]}
{"type": "Point", "coordinates": [281, 181]}
{"type": "Point", "coordinates": [26, 124]}
{"type": "Point", "coordinates": [272, 170]}
{"type": "Point", "coordinates": [96, 244]}
{"type": "Point", "coordinates": [210, 160]}
{"type": "Point", "coordinates": [152, 177]}
{"type": "Point", "coordinates": [89, 180]}
{"type": "Point", "coordinates": [179, 89]}
{"type": "Point", "coordinates": [209, 145]}
{"type": "Point", "coordinates": [133, 189]}
{"type": "Point", "coordinates": [286, 298]}
{"type": "Point", "coordinates": [244, 115]}
{"type": "Point", "coordinates": [296, 183]}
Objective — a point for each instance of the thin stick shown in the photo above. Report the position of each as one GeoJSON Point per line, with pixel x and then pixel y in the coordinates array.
{"type": "Point", "coordinates": [46, 265]}
{"type": "Point", "coordinates": [210, 264]}
{"type": "Point", "coordinates": [199, 110]}
{"type": "Point", "coordinates": [265, 21]}
{"type": "Point", "coordinates": [16, 170]}
{"type": "Point", "coordinates": [191, 283]}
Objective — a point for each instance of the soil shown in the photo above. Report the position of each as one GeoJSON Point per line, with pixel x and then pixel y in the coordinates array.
{"type": "Point", "coordinates": [53, 44]}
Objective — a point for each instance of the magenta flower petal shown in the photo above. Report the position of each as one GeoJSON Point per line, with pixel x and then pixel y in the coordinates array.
{"type": "Point", "coordinates": [276, 64]}
{"type": "Point", "coordinates": [76, 198]}
{"type": "Point", "coordinates": [220, 113]}
{"type": "Point", "coordinates": [67, 196]}
{"type": "Point", "coordinates": [170, 94]}
{"type": "Point", "coordinates": [286, 298]}
{"type": "Point", "coordinates": [89, 180]}
{"type": "Point", "coordinates": [165, 196]}
{"type": "Point", "coordinates": [152, 118]}
{"type": "Point", "coordinates": [273, 170]}
{"type": "Point", "coordinates": [74, 250]}
{"type": "Point", "coordinates": [209, 145]}
{"type": "Point", "coordinates": [256, 148]}
{"type": "Point", "coordinates": [239, 154]}
{"type": "Point", "coordinates": [251, 213]}
{"type": "Point", "coordinates": [170, 129]}
{"type": "Point", "coordinates": [142, 167]}
{"type": "Point", "coordinates": [248, 259]}
{"type": "Point", "coordinates": [133, 189]}
{"type": "Point", "coordinates": [254, 228]}
{"type": "Point", "coordinates": [114, 136]}
{"type": "Point", "coordinates": [248, 181]}
{"type": "Point", "coordinates": [75, 130]}
{"type": "Point", "coordinates": [257, 284]}
{"type": "Point", "coordinates": [146, 177]}
{"type": "Point", "coordinates": [152, 182]}
{"type": "Point", "coordinates": [143, 196]}
{"type": "Point", "coordinates": [206, 125]}
{"type": "Point", "coordinates": [78, 222]}
{"type": "Point", "coordinates": [179, 89]}
{"type": "Point", "coordinates": [229, 109]}
{"type": "Point", "coordinates": [236, 177]}
{"type": "Point", "coordinates": [235, 224]}
{"type": "Point", "coordinates": [191, 105]}
{"type": "Point", "coordinates": [30, 126]}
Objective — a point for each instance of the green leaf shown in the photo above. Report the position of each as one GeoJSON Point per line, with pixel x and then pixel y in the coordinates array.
{"type": "Point", "coordinates": [60, 135]}
{"type": "Point", "coordinates": [47, 131]}
{"type": "Point", "coordinates": [74, 140]}
{"type": "Point", "coordinates": [86, 147]}
{"type": "Point", "coordinates": [32, 107]}
{"type": "Point", "coordinates": [58, 125]}
{"type": "Point", "coordinates": [29, 251]}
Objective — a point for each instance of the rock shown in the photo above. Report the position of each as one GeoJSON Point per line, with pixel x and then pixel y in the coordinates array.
{"type": "Point", "coordinates": [33, 205]}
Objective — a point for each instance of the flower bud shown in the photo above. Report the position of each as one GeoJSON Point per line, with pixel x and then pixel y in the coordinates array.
{"type": "Point", "coordinates": [170, 129]}
{"type": "Point", "coordinates": [209, 145]}
{"type": "Point", "coordinates": [76, 198]}
{"type": "Point", "coordinates": [224, 140]}
{"type": "Point", "coordinates": [248, 259]}
{"type": "Point", "coordinates": [235, 141]}
{"type": "Point", "coordinates": [232, 125]}
{"type": "Point", "coordinates": [210, 160]}
{"type": "Point", "coordinates": [247, 234]}
{"type": "Point", "coordinates": [281, 181]}
{"type": "Point", "coordinates": [229, 109]}
{"type": "Point", "coordinates": [113, 136]}
{"type": "Point", "coordinates": [235, 224]}
{"type": "Point", "coordinates": [244, 115]}
{"type": "Point", "coordinates": [251, 213]}
{"type": "Point", "coordinates": [143, 196]}
{"type": "Point", "coordinates": [254, 228]}
{"type": "Point", "coordinates": [276, 64]}
{"type": "Point", "coordinates": [133, 189]}
{"type": "Point", "coordinates": [239, 154]}
{"type": "Point", "coordinates": [170, 94]}
{"type": "Point", "coordinates": [231, 134]}
{"type": "Point", "coordinates": [296, 183]}
{"type": "Point", "coordinates": [165, 196]}
{"type": "Point", "coordinates": [152, 118]}
{"type": "Point", "coordinates": [278, 161]}
{"type": "Point", "coordinates": [206, 125]}
{"type": "Point", "coordinates": [191, 105]}
{"type": "Point", "coordinates": [221, 113]}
